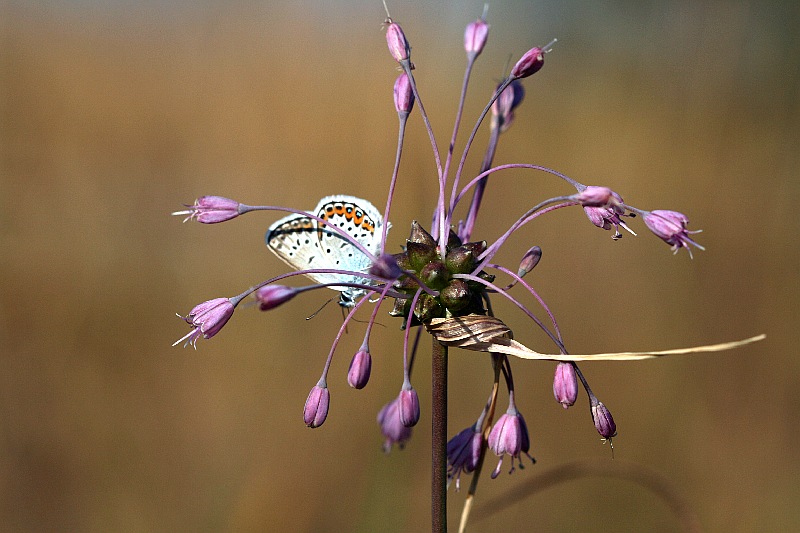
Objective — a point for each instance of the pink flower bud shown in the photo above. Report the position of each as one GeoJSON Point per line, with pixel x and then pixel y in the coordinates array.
{"type": "Point", "coordinates": [211, 209]}
{"type": "Point", "coordinates": [316, 409]}
{"type": "Point", "coordinates": [271, 296]}
{"type": "Point", "coordinates": [360, 367]}
{"type": "Point", "coordinates": [565, 384]}
{"type": "Point", "coordinates": [509, 435]}
{"type": "Point", "coordinates": [603, 421]}
{"type": "Point", "coordinates": [409, 406]}
{"type": "Point", "coordinates": [593, 196]}
{"type": "Point", "coordinates": [505, 104]}
{"type": "Point", "coordinates": [529, 261]}
{"type": "Point", "coordinates": [391, 427]}
{"type": "Point", "coordinates": [398, 45]}
{"type": "Point", "coordinates": [463, 453]}
{"type": "Point", "coordinates": [403, 95]}
{"type": "Point", "coordinates": [207, 319]}
{"type": "Point", "coordinates": [530, 63]}
{"type": "Point", "coordinates": [475, 37]}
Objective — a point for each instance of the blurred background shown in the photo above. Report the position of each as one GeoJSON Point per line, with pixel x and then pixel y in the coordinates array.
{"type": "Point", "coordinates": [113, 114]}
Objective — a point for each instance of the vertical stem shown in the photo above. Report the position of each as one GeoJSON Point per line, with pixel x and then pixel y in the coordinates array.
{"type": "Point", "coordinates": [439, 437]}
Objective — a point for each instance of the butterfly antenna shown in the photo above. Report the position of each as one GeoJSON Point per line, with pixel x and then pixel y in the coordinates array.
{"type": "Point", "coordinates": [315, 313]}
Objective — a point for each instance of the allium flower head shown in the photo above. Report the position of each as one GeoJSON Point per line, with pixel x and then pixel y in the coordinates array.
{"type": "Point", "coordinates": [441, 281]}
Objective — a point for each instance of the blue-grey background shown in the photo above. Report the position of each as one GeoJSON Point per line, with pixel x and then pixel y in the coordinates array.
{"type": "Point", "coordinates": [113, 114]}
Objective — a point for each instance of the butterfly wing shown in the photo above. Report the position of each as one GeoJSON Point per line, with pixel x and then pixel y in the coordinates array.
{"type": "Point", "coordinates": [304, 243]}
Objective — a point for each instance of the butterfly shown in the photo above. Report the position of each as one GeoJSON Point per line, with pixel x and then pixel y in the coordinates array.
{"type": "Point", "coordinates": [304, 243]}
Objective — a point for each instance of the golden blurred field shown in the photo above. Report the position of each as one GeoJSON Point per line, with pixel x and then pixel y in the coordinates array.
{"type": "Point", "coordinates": [113, 114]}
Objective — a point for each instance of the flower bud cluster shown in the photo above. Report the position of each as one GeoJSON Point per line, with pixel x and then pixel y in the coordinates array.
{"type": "Point", "coordinates": [455, 296]}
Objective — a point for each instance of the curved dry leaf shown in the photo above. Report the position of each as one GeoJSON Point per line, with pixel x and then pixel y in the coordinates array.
{"type": "Point", "coordinates": [512, 347]}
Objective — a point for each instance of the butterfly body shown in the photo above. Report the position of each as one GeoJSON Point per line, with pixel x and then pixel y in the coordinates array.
{"type": "Point", "coordinates": [304, 243]}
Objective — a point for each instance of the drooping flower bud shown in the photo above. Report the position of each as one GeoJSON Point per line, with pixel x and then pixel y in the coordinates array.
{"type": "Point", "coordinates": [463, 453]}
{"type": "Point", "coordinates": [603, 421]}
{"type": "Point", "coordinates": [211, 210]}
{"type": "Point", "coordinates": [408, 406]}
{"type": "Point", "coordinates": [398, 45]}
{"type": "Point", "coordinates": [509, 435]}
{"type": "Point", "coordinates": [475, 37]}
{"type": "Point", "coordinates": [207, 319]}
{"type": "Point", "coordinates": [505, 104]}
{"type": "Point", "coordinates": [316, 409]}
{"type": "Point", "coordinates": [271, 296]}
{"type": "Point", "coordinates": [529, 261]}
{"type": "Point", "coordinates": [608, 215]}
{"type": "Point", "coordinates": [530, 63]}
{"type": "Point", "coordinates": [391, 427]}
{"type": "Point", "coordinates": [403, 95]}
{"type": "Point", "coordinates": [670, 226]}
{"type": "Point", "coordinates": [360, 368]}
{"type": "Point", "coordinates": [565, 384]}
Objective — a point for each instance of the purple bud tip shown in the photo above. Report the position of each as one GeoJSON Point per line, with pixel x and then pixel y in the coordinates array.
{"type": "Point", "coordinates": [603, 421]}
{"type": "Point", "coordinates": [360, 368]}
{"type": "Point", "coordinates": [207, 319]}
{"type": "Point", "coordinates": [398, 45]}
{"type": "Point", "coordinates": [670, 226]}
{"type": "Point", "coordinates": [530, 63]}
{"type": "Point", "coordinates": [211, 209]}
{"type": "Point", "coordinates": [403, 95]}
{"type": "Point", "coordinates": [271, 296]}
{"type": "Point", "coordinates": [565, 384]}
{"type": "Point", "coordinates": [316, 409]}
{"type": "Point", "coordinates": [529, 261]}
{"type": "Point", "coordinates": [409, 407]}
{"type": "Point", "coordinates": [475, 37]}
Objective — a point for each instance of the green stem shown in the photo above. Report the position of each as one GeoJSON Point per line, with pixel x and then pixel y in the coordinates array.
{"type": "Point", "coordinates": [439, 437]}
